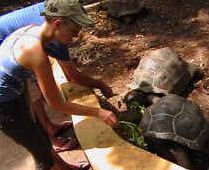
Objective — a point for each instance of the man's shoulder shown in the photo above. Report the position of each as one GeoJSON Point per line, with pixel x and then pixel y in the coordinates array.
{"type": "Point", "coordinates": [33, 55]}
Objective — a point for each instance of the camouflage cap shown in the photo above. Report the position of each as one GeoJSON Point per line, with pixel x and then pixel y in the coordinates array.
{"type": "Point", "coordinates": [71, 9]}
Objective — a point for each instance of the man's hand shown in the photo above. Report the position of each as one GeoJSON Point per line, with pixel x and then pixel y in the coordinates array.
{"type": "Point", "coordinates": [107, 116]}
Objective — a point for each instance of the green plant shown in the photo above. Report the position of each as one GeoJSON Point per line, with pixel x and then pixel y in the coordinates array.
{"type": "Point", "coordinates": [135, 105]}
{"type": "Point", "coordinates": [132, 133]}
{"type": "Point", "coordinates": [134, 112]}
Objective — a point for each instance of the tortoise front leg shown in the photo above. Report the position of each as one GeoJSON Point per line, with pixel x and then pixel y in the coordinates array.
{"type": "Point", "coordinates": [181, 157]}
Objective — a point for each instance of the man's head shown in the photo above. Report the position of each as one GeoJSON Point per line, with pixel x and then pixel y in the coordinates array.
{"type": "Point", "coordinates": [68, 16]}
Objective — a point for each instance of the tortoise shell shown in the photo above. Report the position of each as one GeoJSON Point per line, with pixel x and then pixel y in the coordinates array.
{"type": "Point", "coordinates": [177, 119]}
{"type": "Point", "coordinates": [120, 8]}
{"type": "Point", "coordinates": [162, 71]}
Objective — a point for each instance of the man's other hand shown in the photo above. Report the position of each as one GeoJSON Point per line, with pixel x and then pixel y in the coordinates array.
{"type": "Point", "coordinates": [107, 116]}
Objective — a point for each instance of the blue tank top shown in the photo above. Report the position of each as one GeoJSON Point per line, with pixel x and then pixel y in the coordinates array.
{"type": "Point", "coordinates": [12, 74]}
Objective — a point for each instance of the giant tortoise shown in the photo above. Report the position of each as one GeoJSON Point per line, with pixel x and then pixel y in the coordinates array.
{"type": "Point", "coordinates": [120, 8]}
{"type": "Point", "coordinates": [176, 119]}
{"type": "Point", "coordinates": [160, 73]}
{"type": "Point", "coordinates": [125, 10]}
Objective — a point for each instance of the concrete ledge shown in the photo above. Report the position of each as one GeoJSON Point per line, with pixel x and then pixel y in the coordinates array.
{"type": "Point", "coordinates": [102, 146]}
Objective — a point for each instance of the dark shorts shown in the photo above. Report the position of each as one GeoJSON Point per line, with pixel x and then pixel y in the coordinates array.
{"type": "Point", "coordinates": [16, 122]}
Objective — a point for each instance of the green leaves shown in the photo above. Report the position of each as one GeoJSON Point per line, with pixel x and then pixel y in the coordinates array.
{"type": "Point", "coordinates": [127, 127]}
{"type": "Point", "coordinates": [136, 106]}
{"type": "Point", "coordinates": [132, 133]}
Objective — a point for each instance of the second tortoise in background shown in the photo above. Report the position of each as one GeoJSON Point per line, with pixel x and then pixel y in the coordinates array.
{"type": "Point", "coordinates": [160, 73]}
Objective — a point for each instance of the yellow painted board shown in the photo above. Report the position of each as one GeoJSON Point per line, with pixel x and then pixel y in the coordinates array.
{"type": "Point", "coordinates": [102, 146]}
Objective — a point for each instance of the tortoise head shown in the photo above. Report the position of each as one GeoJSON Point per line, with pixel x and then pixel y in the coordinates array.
{"type": "Point", "coordinates": [142, 98]}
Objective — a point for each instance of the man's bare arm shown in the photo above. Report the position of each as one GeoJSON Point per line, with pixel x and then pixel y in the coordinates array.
{"type": "Point", "coordinates": [73, 74]}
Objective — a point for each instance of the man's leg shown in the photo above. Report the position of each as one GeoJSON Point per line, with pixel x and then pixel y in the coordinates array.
{"type": "Point", "coordinates": [35, 100]}
{"type": "Point", "coordinates": [60, 143]}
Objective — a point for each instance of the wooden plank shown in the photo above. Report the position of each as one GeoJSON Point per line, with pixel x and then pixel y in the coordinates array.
{"type": "Point", "coordinates": [102, 146]}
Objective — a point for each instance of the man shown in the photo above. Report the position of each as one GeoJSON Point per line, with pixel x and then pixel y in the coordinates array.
{"type": "Point", "coordinates": [26, 52]}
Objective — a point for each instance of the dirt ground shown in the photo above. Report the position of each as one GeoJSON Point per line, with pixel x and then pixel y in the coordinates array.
{"type": "Point", "coordinates": [111, 50]}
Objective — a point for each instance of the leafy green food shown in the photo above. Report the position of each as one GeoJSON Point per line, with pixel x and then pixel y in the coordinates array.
{"type": "Point", "coordinates": [134, 105]}
{"type": "Point", "coordinates": [132, 133]}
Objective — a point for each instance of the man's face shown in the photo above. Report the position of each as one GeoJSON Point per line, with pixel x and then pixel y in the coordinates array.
{"type": "Point", "coordinates": [67, 31]}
